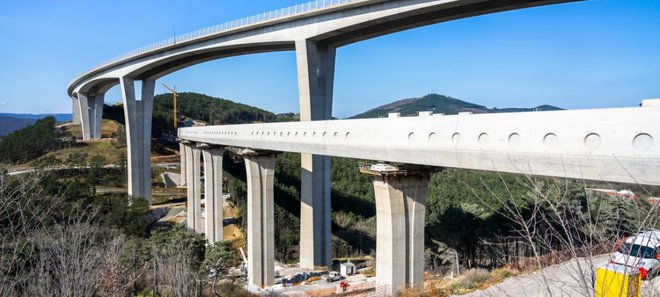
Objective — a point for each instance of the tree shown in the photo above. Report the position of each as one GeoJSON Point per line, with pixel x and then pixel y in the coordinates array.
{"type": "Point", "coordinates": [77, 160]}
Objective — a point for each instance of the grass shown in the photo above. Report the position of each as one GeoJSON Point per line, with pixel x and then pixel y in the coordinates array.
{"type": "Point", "coordinates": [108, 128]}
{"type": "Point", "coordinates": [104, 148]}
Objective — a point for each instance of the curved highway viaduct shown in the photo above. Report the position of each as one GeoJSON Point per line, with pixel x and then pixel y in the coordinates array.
{"type": "Point", "coordinates": [314, 31]}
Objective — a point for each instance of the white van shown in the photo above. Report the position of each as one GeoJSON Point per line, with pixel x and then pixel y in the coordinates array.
{"type": "Point", "coordinates": [641, 251]}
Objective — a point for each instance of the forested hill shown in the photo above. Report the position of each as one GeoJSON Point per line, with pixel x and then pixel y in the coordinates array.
{"type": "Point", "coordinates": [438, 104]}
{"type": "Point", "coordinates": [199, 107]}
{"type": "Point", "coordinates": [214, 111]}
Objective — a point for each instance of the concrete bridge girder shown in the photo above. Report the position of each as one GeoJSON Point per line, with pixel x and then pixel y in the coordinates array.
{"type": "Point", "coordinates": [617, 145]}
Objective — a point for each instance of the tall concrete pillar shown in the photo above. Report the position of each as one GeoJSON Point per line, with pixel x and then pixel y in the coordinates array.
{"type": "Point", "coordinates": [194, 188]}
{"type": "Point", "coordinates": [90, 114]}
{"type": "Point", "coordinates": [316, 68]}
{"type": "Point", "coordinates": [96, 115]}
{"type": "Point", "coordinates": [137, 115]}
{"type": "Point", "coordinates": [400, 210]}
{"type": "Point", "coordinates": [182, 162]}
{"type": "Point", "coordinates": [83, 110]}
{"type": "Point", "coordinates": [260, 171]}
{"type": "Point", "coordinates": [213, 193]}
{"type": "Point", "coordinates": [75, 111]}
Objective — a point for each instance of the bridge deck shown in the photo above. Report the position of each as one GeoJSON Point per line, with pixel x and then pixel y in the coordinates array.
{"type": "Point", "coordinates": [617, 145]}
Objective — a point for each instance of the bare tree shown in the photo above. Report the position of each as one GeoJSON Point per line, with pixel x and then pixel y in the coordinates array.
{"type": "Point", "coordinates": [569, 231]}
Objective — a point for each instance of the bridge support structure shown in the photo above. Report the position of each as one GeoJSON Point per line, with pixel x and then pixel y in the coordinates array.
{"type": "Point", "coordinates": [182, 163]}
{"type": "Point", "coordinates": [316, 67]}
{"type": "Point", "coordinates": [400, 210]}
{"type": "Point", "coordinates": [137, 115]}
{"type": "Point", "coordinates": [75, 111]}
{"type": "Point", "coordinates": [194, 187]}
{"type": "Point", "coordinates": [260, 171]}
{"type": "Point", "coordinates": [213, 192]}
{"type": "Point", "coordinates": [89, 111]}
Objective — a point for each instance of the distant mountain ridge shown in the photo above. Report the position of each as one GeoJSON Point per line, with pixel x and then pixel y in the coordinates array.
{"type": "Point", "coordinates": [438, 104]}
{"type": "Point", "coordinates": [60, 117]}
{"type": "Point", "coordinates": [10, 122]}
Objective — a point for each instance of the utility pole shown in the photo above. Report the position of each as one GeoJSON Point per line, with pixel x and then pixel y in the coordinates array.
{"type": "Point", "coordinates": [173, 90]}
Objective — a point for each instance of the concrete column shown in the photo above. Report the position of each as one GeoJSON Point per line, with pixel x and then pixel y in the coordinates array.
{"type": "Point", "coordinates": [182, 160]}
{"type": "Point", "coordinates": [138, 116]}
{"type": "Point", "coordinates": [90, 114]}
{"type": "Point", "coordinates": [213, 193]}
{"type": "Point", "coordinates": [400, 210]}
{"type": "Point", "coordinates": [194, 189]}
{"type": "Point", "coordinates": [96, 115]}
{"type": "Point", "coordinates": [190, 189]}
{"type": "Point", "coordinates": [316, 63]}
{"type": "Point", "coordinates": [75, 111]}
{"type": "Point", "coordinates": [83, 109]}
{"type": "Point", "coordinates": [260, 171]}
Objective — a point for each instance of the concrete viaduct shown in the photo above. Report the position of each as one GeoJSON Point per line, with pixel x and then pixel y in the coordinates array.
{"type": "Point", "coordinates": [611, 144]}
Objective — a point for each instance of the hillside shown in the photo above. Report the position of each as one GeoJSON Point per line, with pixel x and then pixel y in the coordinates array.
{"type": "Point", "coordinates": [438, 104]}
{"type": "Point", "coordinates": [199, 107]}
{"type": "Point", "coordinates": [10, 124]}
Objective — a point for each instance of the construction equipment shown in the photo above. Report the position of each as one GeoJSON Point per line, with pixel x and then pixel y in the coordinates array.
{"type": "Point", "coordinates": [173, 90]}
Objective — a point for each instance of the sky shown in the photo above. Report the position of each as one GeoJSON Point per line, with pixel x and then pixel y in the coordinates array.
{"type": "Point", "coordinates": [591, 54]}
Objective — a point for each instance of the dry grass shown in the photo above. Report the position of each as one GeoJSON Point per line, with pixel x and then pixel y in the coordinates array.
{"type": "Point", "coordinates": [108, 128]}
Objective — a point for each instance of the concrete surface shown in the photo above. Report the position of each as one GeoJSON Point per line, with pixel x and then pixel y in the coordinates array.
{"type": "Point", "coordinates": [316, 68]}
{"type": "Point", "coordinates": [213, 193]}
{"type": "Point", "coordinates": [170, 179]}
{"type": "Point", "coordinates": [617, 144]}
{"type": "Point", "coordinates": [138, 136]}
{"type": "Point", "coordinates": [400, 210]}
{"type": "Point", "coordinates": [260, 172]}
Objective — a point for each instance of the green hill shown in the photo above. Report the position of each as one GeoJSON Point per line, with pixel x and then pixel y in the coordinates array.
{"type": "Point", "coordinates": [199, 107]}
{"type": "Point", "coordinates": [438, 104]}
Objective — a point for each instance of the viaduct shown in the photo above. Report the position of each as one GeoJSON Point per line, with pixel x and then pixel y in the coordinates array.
{"type": "Point", "coordinates": [617, 145]}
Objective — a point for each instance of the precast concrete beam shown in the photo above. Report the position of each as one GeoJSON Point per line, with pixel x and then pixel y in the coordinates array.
{"type": "Point", "coordinates": [137, 115]}
{"type": "Point", "coordinates": [400, 210]}
{"type": "Point", "coordinates": [316, 68]}
{"type": "Point", "coordinates": [213, 193]}
{"type": "Point", "coordinates": [613, 144]}
{"type": "Point", "coordinates": [260, 170]}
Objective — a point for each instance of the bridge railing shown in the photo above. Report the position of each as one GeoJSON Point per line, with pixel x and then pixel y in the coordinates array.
{"type": "Point", "coordinates": [227, 26]}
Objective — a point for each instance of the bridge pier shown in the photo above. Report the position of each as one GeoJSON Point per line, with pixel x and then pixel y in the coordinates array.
{"type": "Point", "coordinates": [90, 114]}
{"type": "Point", "coordinates": [194, 188]}
{"type": "Point", "coordinates": [316, 67]}
{"type": "Point", "coordinates": [213, 193]}
{"type": "Point", "coordinates": [182, 164]}
{"type": "Point", "coordinates": [400, 210]}
{"type": "Point", "coordinates": [137, 115]}
{"type": "Point", "coordinates": [260, 171]}
{"type": "Point", "coordinates": [75, 113]}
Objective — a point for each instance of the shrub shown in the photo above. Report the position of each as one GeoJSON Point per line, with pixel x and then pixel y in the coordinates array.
{"type": "Point", "coordinates": [474, 278]}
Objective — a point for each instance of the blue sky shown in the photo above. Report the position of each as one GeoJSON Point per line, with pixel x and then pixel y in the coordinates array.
{"type": "Point", "coordinates": [593, 54]}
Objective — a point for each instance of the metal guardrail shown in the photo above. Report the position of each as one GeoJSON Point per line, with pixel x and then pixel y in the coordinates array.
{"type": "Point", "coordinates": [227, 26]}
